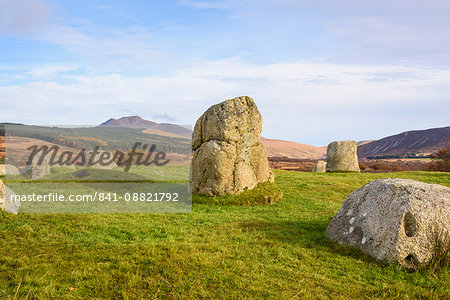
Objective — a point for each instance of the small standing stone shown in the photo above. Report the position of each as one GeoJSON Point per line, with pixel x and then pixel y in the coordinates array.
{"type": "Point", "coordinates": [6, 202]}
{"type": "Point", "coordinates": [9, 170]}
{"type": "Point", "coordinates": [342, 156]}
{"type": "Point", "coordinates": [40, 167]}
{"type": "Point", "coordinates": [320, 167]}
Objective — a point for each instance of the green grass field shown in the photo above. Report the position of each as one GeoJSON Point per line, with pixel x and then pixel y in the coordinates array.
{"type": "Point", "coordinates": [218, 251]}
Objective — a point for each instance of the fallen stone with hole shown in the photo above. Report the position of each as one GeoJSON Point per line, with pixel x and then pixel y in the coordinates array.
{"type": "Point", "coordinates": [397, 221]}
{"type": "Point", "coordinates": [228, 155]}
{"type": "Point", "coordinates": [320, 167]}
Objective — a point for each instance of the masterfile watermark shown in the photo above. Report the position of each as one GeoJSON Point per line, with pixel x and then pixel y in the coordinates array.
{"type": "Point", "coordinates": [96, 196]}
{"type": "Point", "coordinates": [95, 170]}
{"type": "Point", "coordinates": [97, 156]}
{"type": "Point", "coordinates": [101, 197]}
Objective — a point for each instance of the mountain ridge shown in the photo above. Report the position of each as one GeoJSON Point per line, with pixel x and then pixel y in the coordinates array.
{"type": "Point", "coordinates": [414, 141]}
{"type": "Point", "coordinates": [138, 122]}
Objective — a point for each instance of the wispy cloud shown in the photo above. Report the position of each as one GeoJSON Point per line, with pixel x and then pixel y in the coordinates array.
{"type": "Point", "coordinates": [318, 70]}
{"type": "Point", "coordinates": [306, 95]}
{"type": "Point", "coordinates": [49, 71]}
{"type": "Point", "coordinates": [408, 31]}
{"type": "Point", "coordinates": [164, 117]}
{"type": "Point", "coordinates": [33, 20]}
{"type": "Point", "coordinates": [219, 4]}
{"type": "Point", "coordinates": [116, 46]}
{"type": "Point", "coordinates": [25, 17]}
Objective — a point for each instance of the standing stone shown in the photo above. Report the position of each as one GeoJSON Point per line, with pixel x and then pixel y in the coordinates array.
{"type": "Point", "coordinates": [341, 156]}
{"type": "Point", "coordinates": [8, 204]}
{"type": "Point", "coordinates": [106, 158]}
{"type": "Point", "coordinates": [228, 155]}
{"type": "Point", "coordinates": [40, 168]}
{"type": "Point", "coordinates": [394, 220]}
{"type": "Point", "coordinates": [320, 167]}
{"type": "Point", "coordinates": [9, 170]}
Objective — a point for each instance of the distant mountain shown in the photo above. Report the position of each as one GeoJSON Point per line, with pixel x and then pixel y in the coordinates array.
{"type": "Point", "coordinates": [109, 138]}
{"type": "Point", "coordinates": [138, 122]}
{"type": "Point", "coordinates": [280, 148]}
{"type": "Point", "coordinates": [417, 141]}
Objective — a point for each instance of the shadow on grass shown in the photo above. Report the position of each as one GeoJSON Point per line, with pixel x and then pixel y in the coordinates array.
{"type": "Point", "coordinates": [305, 233]}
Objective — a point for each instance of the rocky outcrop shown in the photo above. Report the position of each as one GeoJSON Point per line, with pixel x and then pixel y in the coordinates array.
{"type": "Point", "coordinates": [7, 203]}
{"type": "Point", "coordinates": [341, 156]}
{"type": "Point", "coordinates": [228, 155]}
{"type": "Point", "coordinates": [394, 220]}
{"type": "Point", "coordinates": [320, 167]}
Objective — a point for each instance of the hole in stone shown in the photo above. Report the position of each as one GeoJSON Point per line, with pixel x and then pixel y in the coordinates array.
{"type": "Point", "coordinates": [409, 224]}
{"type": "Point", "coordinates": [410, 261]}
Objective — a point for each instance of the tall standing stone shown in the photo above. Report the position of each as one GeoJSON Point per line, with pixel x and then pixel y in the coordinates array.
{"type": "Point", "coordinates": [40, 167]}
{"type": "Point", "coordinates": [228, 155]}
{"type": "Point", "coordinates": [342, 156]}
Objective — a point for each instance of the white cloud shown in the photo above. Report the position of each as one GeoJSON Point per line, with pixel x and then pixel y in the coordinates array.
{"type": "Point", "coordinates": [227, 4]}
{"type": "Point", "coordinates": [383, 31]}
{"type": "Point", "coordinates": [22, 17]}
{"type": "Point", "coordinates": [113, 46]}
{"type": "Point", "coordinates": [307, 102]}
{"type": "Point", "coordinates": [49, 71]}
{"type": "Point", "coordinates": [33, 20]}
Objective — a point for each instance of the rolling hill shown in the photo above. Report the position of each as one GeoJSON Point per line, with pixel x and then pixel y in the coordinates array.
{"type": "Point", "coordinates": [422, 142]}
{"type": "Point", "coordinates": [138, 122]}
{"type": "Point", "coordinates": [274, 148]}
{"type": "Point", "coordinates": [106, 137]}
{"type": "Point", "coordinates": [164, 133]}
{"type": "Point", "coordinates": [416, 141]}
{"type": "Point", "coordinates": [287, 149]}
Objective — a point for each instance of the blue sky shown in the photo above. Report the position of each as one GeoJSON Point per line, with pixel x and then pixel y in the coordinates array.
{"type": "Point", "coordinates": [319, 71]}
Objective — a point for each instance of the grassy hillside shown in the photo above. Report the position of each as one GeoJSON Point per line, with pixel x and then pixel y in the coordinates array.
{"type": "Point", "coordinates": [217, 251]}
{"type": "Point", "coordinates": [280, 148]}
{"type": "Point", "coordinates": [406, 144]}
{"type": "Point", "coordinates": [103, 137]}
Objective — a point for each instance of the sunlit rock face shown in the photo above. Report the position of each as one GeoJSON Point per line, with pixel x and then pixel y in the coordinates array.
{"type": "Point", "coordinates": [394, 220]}
{"type": "Point", "coordinates": [342, 156]}
{"type": "Point", "coordinates": [228, 155]}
